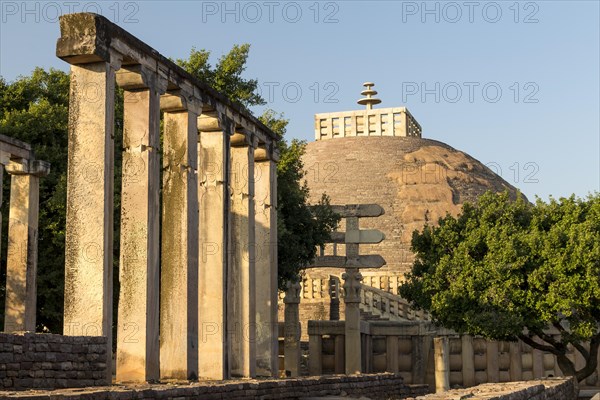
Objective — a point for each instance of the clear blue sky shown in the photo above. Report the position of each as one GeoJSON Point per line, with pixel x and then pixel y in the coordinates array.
{"type": "Point", "coordinates": [513, 84]}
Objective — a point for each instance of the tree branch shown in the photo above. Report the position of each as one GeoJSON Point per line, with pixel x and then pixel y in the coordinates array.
{"type": "Point", "coordinates": [551, 349]}
{"type": "Point", "coordinates": [591, 361]}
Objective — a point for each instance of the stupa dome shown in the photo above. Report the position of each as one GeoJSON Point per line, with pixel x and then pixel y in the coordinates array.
{"type": "Point", "coordinates": [378, 156]}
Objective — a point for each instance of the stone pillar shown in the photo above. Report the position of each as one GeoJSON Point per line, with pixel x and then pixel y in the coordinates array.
{"type": "Point", "coordinates": [137, 329]}
{"type": "Point", "coordinates": [392, 354]}
{"type": "Point", "coordinates": [265, 172]}
{"type": "Point", "coordinates": [179, 258]}
{"type": "Point", "coordinates": [516, 361]}
{"type": "Point", "coordinates": [468, 361]}
{"type": "Point", "coordinates": [241, 307]}
{"type": "Point", "coordinates": [352, 278]}
{"type": "Point", "coordinates": [4, 159]}
{"type": "Point", "coordinates": [315, 354]}
{"type": "Point", "coordinates": [214, 200]}
{"type": "Point", "coordinates": [90, 200]}
{"type": "Point", "coordinates": [491, 355]}
{"type": "Point", "coordinates": [21, 262]}
{"type": "Point", "coordinates": [442, 363]}
{"type": "Point", "coordinates": [291, 331]}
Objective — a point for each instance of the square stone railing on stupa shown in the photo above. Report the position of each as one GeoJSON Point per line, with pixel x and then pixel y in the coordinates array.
{"type": "Point", "coordinates": [212, 252]}
{"type": "Point", "coordinates": [18, 159]}
{"type": "Point", "coordinates": [369, 122]}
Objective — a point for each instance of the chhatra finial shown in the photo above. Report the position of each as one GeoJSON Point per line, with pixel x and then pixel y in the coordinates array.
{"type": "Point", "coordinates": [368, 101]}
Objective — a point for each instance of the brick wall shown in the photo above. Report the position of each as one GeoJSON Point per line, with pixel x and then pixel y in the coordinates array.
{"type": "Point", "coordinates": [49, 361]}
{"type": "Point", "coordinates": [548, 389]}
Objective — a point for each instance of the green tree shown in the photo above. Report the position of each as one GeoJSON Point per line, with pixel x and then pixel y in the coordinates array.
{"type": "Point", "coordinates": [509, 270]}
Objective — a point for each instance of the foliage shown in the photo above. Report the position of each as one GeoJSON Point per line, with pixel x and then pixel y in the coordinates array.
{"type": "Point", "coordinates": [226, 75]}
{"type": "Point", "coordinates": [511, 270]}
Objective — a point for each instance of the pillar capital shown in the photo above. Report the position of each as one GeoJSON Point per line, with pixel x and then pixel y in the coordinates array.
{"type": "Point", "coordinates": [179, 101]}
{"type": "Point", "coordinates": [139, 77]}
{"type": "Point", "coordinates": [242, 138]}
{"type": "Point", "coordinates": [292, 293]}
{"type": "Point", "coordinates": [266, 152]}
{"type": "Point", "coordinates": [352, 281]}
{"type": "Point", "coordinates": [28, 167]}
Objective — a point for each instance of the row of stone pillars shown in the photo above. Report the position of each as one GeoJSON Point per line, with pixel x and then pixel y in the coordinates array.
{"type": "Point", "coordinates": [209, 242]}
{"type": "Point", "coordinates": [19, 161]}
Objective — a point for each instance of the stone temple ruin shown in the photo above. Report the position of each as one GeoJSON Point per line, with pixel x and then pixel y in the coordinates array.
{"type": "Point", "coordinates": [218, 200]}
{"type": "Point", "coordinates": [198, 267]}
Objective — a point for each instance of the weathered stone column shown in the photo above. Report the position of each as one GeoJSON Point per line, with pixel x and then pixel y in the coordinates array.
{"type": "Point", "coordinates": [214, 203]}
{"type": "Point", "coordinates": [90, 200]}
{"type": "Point", "coordinates": [442, 364]}
{"type": "Point", "coordinates": [179, 257]}
{"type": "Point", "coordinates": [291, 330]}
{"type": "Point", "coordinates": [392, 354]}
{"type": "Point", "coordinates": [491, 355]}
{"type": "Point", "coordinates": [21, 263]}
{"type": "Point", "coordinates": [468, 361]}
{"type": "Point", "coordinates": [137, 330]}
{"type": "Point", "coordinates": [265, 172]}
{"type": "Point", "coordinates": [352, 278]}
{"type": "Point", "coordinates": [241, 276]}
{"type": "Point", "coordinates": [4, 159]}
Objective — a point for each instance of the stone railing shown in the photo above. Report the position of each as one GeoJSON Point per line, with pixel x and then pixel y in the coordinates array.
{"type": "Point", "coordinates": [388, 306]}
{"type": "Point", "coordinates": [374, 122]}
{"type": "Point", "coordinates": [408, 348]}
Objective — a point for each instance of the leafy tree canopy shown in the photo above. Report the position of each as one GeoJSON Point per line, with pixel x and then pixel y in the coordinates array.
{"type": "Point", "coordinates": [510, 270]}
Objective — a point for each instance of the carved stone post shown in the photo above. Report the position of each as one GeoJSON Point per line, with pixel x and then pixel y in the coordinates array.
{"type": "Point", "coordinates": [179, 264]}
{"type": "Point", "coordinates": [352, 279]}
{"type": "Point", "coordinates": [291, 330]}
{"type": "Point", "coordinates": [265, 168]}
{"type": "Point", "coordinates": [241, 277]}
{"type": "Point", "coordinates": [21, 263]}
{"type": "Point", "coordinates": [137, 330]}
{"type": "Point", "coordinates": [441, 350]}
{"type": "Point", "coordinates": [90, 199]}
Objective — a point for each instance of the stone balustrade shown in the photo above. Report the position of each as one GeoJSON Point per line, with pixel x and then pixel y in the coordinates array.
{"type": "Point", "coordinates": [370, 122]}
{"type": "Point", "coordinates": [388, 306]}
{"type": "Point", "coordinates": [407, 348]}
{"type": "Point", "coordinates": [18, 159]}
{"type": "Point", "coordinates": [212, 251]}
